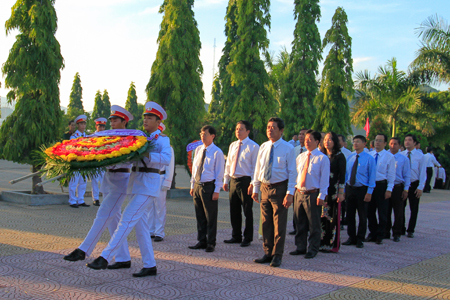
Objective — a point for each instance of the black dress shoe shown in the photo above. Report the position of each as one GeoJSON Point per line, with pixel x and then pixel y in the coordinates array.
{"type": "Point", "coordinates": [276, 261]}
{"type": "Point", "coordinates": [349, 242]}
{"type": "Point", "coordinates": [232, 241]}
{"type": "Point", "coordinates": [310, 255]}
{"type": "Point", "coordinates": [370, 238]}
{"type": "Point", "coordinates": [146, 272]}
{"type": "Point", "coordinates": [379, 241]}
{"type": "Point", "coordinates": [263, 260]}
{"type": "Point", "coordinates": [396, 239]}
{"type": "Point", "coordinates": [98, 264]}
{"type": "Point", "coordinates": [152, 236]}
{"type": "Point", "coordinates": [96, 203]}
{"type": "Point", "coordinates": [359, 244]}
{"type": "Point", "coordinates": [210, 248]}
{"type": "Point", "coordinates": [120, 265]}
{"type": "Point", "coordinates": [76, 255]}
{"type": "Point", "coordinates": [198, 246]}
{"type": "Point", "coordinates": [74, 205]}
{"type": "Point", "coordinates": [158, 239]}
{"type": "Point", "coordinates": [297, 252]}
{"type": "Point", "coordinates": [84, 204]}
{"type": "Point", "coordinates": [410, 235]}
{"type": "Point", "coordinates": [292, 232]}
{"type": "Point", "coordinates": [245, 243]}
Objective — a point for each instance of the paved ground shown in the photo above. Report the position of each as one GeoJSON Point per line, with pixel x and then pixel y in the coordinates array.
{"type": "Point", "coordinates": [34, 239]}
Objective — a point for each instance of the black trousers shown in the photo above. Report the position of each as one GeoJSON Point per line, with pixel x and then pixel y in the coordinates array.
{"type": "Point", "coordinates": [307, 218]}
{"type": "Point", "coordinates": [413, 206]}
{"type": "Point", "coordinates": [396, 203]}
{"type": "Point", "coordinates": [206, 213]}
{"type": "Point", "coordinates": [355, 202]}
{"type": "Point", "coordinates": [427, 187]}
{"type": "Point", "coordinates": [439, 184]}
{"type": "Point", "coordinates": [378, 204]}
{"type": "Point", "coordinates": [241, 200]}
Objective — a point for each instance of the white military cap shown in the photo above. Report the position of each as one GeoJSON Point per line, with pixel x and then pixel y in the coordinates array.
{"type": "Point", "coordinates": [100, 121]}
{"type": "Point", "coordinates": [80, 118]}
{"type": "Point", "coordinates": [155, 109]}
{"type": "Point", "coordinates": [162, 127]}
{"type": "Point", "coordinates": [118, 111]}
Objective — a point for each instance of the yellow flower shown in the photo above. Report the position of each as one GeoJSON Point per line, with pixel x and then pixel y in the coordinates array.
{"type": "Point", "coordinates": [71, 156]}
{"type": "Point", "coordinates": [100, 157]}
{"type": "Point", "coordinates": [124, 150]}
{"type": "Point", "coordinates": [63, 157]}
{"type": "Point", "coordinates": [133, 148]}
{"type": "Point", "coordinates": [90, 157]}
{"type": "Point", "coordinates": [81, 158]}
{"type": "Point", "coordinates": [109, 155]}
{"type": "Point", "coordinates": [116, 153]}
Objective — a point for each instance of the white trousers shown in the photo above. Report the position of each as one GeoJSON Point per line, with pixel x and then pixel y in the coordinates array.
{"type": "Point", "coordinates": [157, 221]}
{"type": "Point", "coordinates": [96, 183]}
{"type": "Point", "coordinates": [135, 214]}
{"type": "Point", "coordinates": [108, 216]}
{"type": "Point", "coordinates": [77, 188]}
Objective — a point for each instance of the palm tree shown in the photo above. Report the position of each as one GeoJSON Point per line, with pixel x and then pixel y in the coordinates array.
{"type": "Point", "coordinates": [432, 63]}
{"type": "Point", "coordinates": [391, 94]}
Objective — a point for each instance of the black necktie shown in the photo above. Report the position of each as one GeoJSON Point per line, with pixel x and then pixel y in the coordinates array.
{"type": "Point", "coordinates": [409, 157]}
{"type": "Point", "coordinates": [354, 169]}
{"type": "Point", "coordinates": [198, 176]}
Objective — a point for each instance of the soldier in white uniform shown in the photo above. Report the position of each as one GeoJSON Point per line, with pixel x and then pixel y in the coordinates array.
{"type": "Point", "coordinates": [144, 187]}
{"type": "Point", "coordinates": [100, 125]}
{"type": "Point", "coordinates": [77, 185]}
{"type": "Point", "coordinates": [113, 188]}
{"type": "Point", "coordinates": [157, 221]}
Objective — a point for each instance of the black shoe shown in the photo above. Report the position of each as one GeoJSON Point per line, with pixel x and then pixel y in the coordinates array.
{"type": "Point", "coordinates": [359, 244]}
{"type": "Point", "coordinates": [76, 255]}
{"type": "Point", "coordinates": [276, 261]}
{"type": "Point", "coordinates": [84, 204]}
{"type": "Point", "coordinates": [96, 203]}
{"type": "Point", "coordinates": [152, 236]}
{"type": "Point", "coordinates": [98, 264]}
{"type": "Point", "coordinates": [74, 205]}
{"type": "Point", "coordinates": [410, 234]}
{"type": "Point", "coordinates": [120, 265]}
{"type": "Point", "coordinates": [263, 260]}
{"type": "Point", "coordinates": [198, 246]}
{"type": "Point", "coordinates": [146, 272]}
{"type": "Point", "coordinates": [246, 243]}
{"type": "Point", "coordinates": [310, 255]}
{"type": "Point", "coordinates": [370, 238]}
{"type": "Point", "coordinates": [396, 239]}
{"type": "Point", "coordinates": [210, 248]}
{"type": "Point", "coordinates": [297, 252]}
{"type": "Point", "coordinates": [292, 232]}
{"type": "Point", "coordinates": [232, 241]}
{"type": "Point", "coordinates": [158, 239]}
{"type": "Point", "coordinates": [349, 242]}
{"type": "Point", "coordinates": [379, 241]}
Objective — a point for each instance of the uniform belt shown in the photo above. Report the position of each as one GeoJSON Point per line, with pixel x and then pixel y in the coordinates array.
{"type": "Point", "coordinates": [270, 185]}
{"type": "Point", "coordinates": [381, 181]}
{"type": "Point", "coordinates": [205, 183]}
{"type": "Point", "coordinates": [241, 178]}
{"type": "Point", "coordinates": [121, 170]}
{"type": "Point", "coordinates": [308, 191]}
{"type": "Point", "coordinates": [399, 185]}
{"type": "Point", "coordinates": [145, 170]}
{"type": "Point", "coordinates": [162, 172]}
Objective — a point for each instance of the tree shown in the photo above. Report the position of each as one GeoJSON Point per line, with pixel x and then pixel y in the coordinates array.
{"type": "Point", "coordinates": [33, 72]}
{"type": "Point", "coordinates": [98, 109]}
{"type": "Point", "coordinates": [175, 81]}
{"type": "Point", "coordinates": [132, 106]}
{"type": "Point", "coordinates": [432, 63]}
{"type": "Point", "coordinates": [336, 87]}
{"type": "Point", "coordinates": [75, 107]}
{"type": "Point", "coordinates": [214, 106]}
{"type": "Point", "coordinates": [254, 102]}
{"type": "Point", "coordinates": [278, 70]}
{"type": "Point", "coordinates": [300, 88]}
{"type": "Point", "coordinates": [106, 106]}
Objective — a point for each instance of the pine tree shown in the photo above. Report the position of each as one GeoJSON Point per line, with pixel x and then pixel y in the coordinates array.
{"type": "Point", "coordinates": [75, 107]}
{"type": "Point", "coordinates": [33, 72]}
{"type": "Point", "coordinates": [132, 106]}
{"type": "Point", "coordinates": [177, 85]}
{"type": "Point", "coordinates": [106, 107]}
{"type": "Point", "coordinates": [336, 88]}
{"type": "Point", "coordinates": [300, 88]}
{"type": "Point", "coordinates": [254, 101]}
{"type": "Point", "coordinates": [98, 109]}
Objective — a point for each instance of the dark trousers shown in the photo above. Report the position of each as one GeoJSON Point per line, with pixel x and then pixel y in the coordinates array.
{"type": "Point", "coordinates": [206, 213]}
{"type": "Point", "coordinates": [355, 202]}
{"type": "Point", "coordinates": [413, 206]}
{"type": "Point", "coordinates": [274, 218]}
{"type": "Point", "coordinates": [378, 204]}
{"type": "Point", "coordinates": [439, 184]}
{"type": "Point", "coordinates": [396, 203]}
{"type": "Point", "coordinates": [343, 213]}
{"type": "Point", "coordinates": [427, 187]}
{"type": "Point", "coordinates": [240, 199]}
{"type": "Point", "coordinates": [307, 218]}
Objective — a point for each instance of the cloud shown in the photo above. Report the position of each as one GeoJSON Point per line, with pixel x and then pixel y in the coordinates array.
{"type": "Point", "coordinates": [150, 10]}
{"type": "Point", "coordinates": [359, 60]}
{"type": "Point", "coordinates": [206, 3]}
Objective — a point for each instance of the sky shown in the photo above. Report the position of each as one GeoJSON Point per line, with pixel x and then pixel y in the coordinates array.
{"type": "Point", "coordinates": [112, 43]}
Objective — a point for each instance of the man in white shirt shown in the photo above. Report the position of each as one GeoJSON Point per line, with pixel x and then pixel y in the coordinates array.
{"type": "Point", "coordinates": [294, 142]}
{"type": "Point", "coordinates": [275, 175]}
{"type": "Point", "coordinates": [431, 163]}
{"type": "Point", "coordinates": [239, 170]}
{"type": "Point", "coordinates": [313, 168]}
{"type": "Point", "coordinates": [384, 183]}
{"type": "Point", "coordinates": [343, 144]}
{"type": "Point", "coordinates": [206, 181]}
{"type": "Point", "coordinates": [418, 178]}
{"type": "Point", "coordinates": [440, 178]}
{"type": "Point", "coordinates": [96, 182]}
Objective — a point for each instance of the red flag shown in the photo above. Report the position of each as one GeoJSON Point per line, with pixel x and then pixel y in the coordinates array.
{"type": "Point", "coordinates": [367, 127]}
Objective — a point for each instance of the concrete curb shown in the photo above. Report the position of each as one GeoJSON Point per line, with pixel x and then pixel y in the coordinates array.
{"type": "Point", "coordinates": [24, 197]}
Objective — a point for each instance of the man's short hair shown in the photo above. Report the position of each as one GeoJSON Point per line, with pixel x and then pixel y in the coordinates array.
{"type": "Point", "coordinates": [360, 137]}
{"type": "Point", "coordinates": [210, 129]}
{"type": "Point", "coordinates": [247, 124]}
{"type": "Point", "coordinates": [383, 135]}
{"type": "Point", "coordinates": [71, 121]}
{"type": "Point", "coordinates": [397, 139]}
{"type": "Point", "coordinates": [279, 121]}
{"type": "Point", "coordinates": [413, 137]}
{"type": "Point", "coordinates": [430, 149]}
{"type": "Point", "coordinates": [315, 134]}
{"type": "Point", "coordinates": [342, 137]}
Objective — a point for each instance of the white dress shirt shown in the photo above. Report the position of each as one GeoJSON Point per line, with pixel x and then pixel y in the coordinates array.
{"type": "Point", "coordinates": [212, 167]}
{"type": "Point", "coordinates": [418, 167]}
{"type": "Point", "coordinates": [318, 175]}
{"type": "Point", "coordinates": [77, 134]}
{"type": "Point", "coordinates": [385, 168]}
{"type": "Point", "coordinates": [283, 167]}
{"type": "Point", "coordinates": [431, 160]}
{"type": "Point", "coordinates": [402, 170]}
{"type": "Point", "coordinates": [346, 152]}
{"type": "Point", "coordinates": [440, 174]}
{"type": "Point", "coordinates": [299, 150]}
{"type": "Point", "coordinates": [246, 162]}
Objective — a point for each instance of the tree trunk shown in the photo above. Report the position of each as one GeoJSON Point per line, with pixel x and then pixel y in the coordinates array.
{"type": "Point", "coordinates": [35, 180]}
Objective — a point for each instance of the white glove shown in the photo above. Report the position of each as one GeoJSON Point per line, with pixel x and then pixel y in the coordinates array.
{"type": "Point", "coordinates": [165, 188]}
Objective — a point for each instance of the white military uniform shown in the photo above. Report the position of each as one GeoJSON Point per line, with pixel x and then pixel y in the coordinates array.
{"type": "Point", "coordinates": [97, 180]}
{"type": "Point", "coordinates": [77, 185]}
